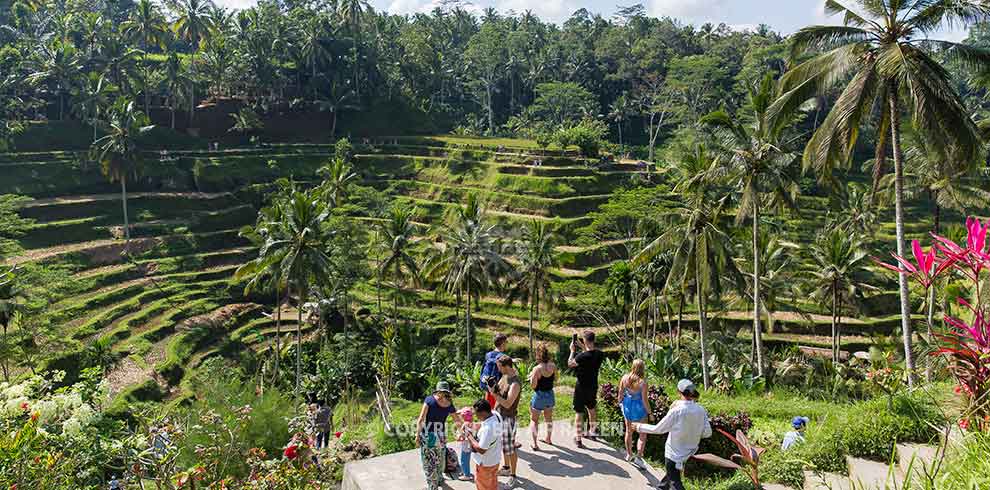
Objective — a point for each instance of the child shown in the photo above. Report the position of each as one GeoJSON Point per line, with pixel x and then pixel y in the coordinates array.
{"type": "Point", "coordinates": [467, 415]}
{"type": "Point", "coordinates": [795, 436]}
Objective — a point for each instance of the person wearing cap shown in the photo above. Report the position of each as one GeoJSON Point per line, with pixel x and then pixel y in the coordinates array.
{"type": "Point", "coordinates": [686, 424]}
{"type": "Point", "coordinates": [431, 433]}
{"type": "Point", "coordinates": [796, 436]}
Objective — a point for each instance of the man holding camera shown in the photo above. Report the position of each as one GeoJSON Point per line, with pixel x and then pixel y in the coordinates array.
{"type": "Point", "coordinates": [586, 366]}
{"type": "Point", "coordinates": [507, 393]}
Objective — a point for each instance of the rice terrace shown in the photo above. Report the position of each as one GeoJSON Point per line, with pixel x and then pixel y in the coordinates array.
{"type": "Point", "coordinates": [341, 244]}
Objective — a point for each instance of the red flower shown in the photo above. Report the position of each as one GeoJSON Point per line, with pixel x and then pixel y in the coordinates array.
{"type": "Point", "coordinates": [34, 416]}
{"type": "Point", "coordinates": [291, 451]}
{"type": "Point", "coordinates": [25, 407]}
{"type": "Point", "coordinates": [338, 434]}
{"type": "Point", "coordinates": [963, 424]}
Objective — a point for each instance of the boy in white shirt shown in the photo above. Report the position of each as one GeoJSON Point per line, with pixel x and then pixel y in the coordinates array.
{"type": "Point", "coordinates": [686, 424]}
{"type": "Point", "coordinates": [487, 446]}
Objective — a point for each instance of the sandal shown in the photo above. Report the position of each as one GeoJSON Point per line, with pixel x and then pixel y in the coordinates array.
{"type": "Point", "coordinates": [579, 444]}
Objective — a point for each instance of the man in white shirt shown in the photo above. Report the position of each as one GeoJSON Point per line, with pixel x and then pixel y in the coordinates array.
{"type": "Point", "coordinates": [685, 425]}
{"type": "Point", "coordinates": [486, 447]}
{"type": "Point", "coordinates": [796, 436]}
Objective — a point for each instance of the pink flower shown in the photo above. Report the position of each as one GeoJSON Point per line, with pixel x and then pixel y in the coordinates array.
{"type": "Point", "coordinates": [925, 268]}
{"type": "Point", "coordinates": [978, 331]}
{"type": "Point", "coordinates": [975, 256]}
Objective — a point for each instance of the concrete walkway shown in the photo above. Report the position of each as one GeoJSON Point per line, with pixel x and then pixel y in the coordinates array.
{"type": "Point", "coordinates": [562, 466]}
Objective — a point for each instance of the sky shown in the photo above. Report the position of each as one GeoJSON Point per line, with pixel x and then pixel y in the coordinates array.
{"type": "Point", "coordinates": [785, 16]}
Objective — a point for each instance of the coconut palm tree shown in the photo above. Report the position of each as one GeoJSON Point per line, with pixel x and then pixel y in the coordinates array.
{"type": "Point", "coordinates": [469, 260]}
{"type": "Point", "coordinates": [694, 231]}
{"type": "Point", "coordinates": [886, 57]}
{"type": "Point", "coordinates": [338, 175]}
{"type": "Point", "coordinates": [834, 276]}
{"type": "Point", "coordinates": [60, 64]}
{"type": "Point", "coordinates": [620, 111]}
{"type": "Point", "coordinates": [396, 238]}
{"type": "Point", "coordinates": [147, 26]}
{"type": "Point", "coordinates": [531, 281]}
{"type": "Point", "coordinates": [119, 150]}
{"type": "Point", "coordinates": [175, 80]}
{"type": "Point", "coordinates": [754, 157]}
{"type": "Point", "coordinates": [92, 97]}
{"type": "Point", "coordinates": [192, 25]}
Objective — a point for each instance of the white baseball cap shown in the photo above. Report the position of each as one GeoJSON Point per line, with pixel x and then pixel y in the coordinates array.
{"type": "Point", "coordinates": [686, 386]}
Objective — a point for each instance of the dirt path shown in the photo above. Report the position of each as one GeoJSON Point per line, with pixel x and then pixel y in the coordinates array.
{"type": "Point", "coordinates": [86, 198]}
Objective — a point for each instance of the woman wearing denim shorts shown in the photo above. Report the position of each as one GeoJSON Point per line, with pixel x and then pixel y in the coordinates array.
{"type": "Point", "coordinates": [542, 379]}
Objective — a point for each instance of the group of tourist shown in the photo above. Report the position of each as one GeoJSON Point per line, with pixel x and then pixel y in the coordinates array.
{"type": "Point", "coordinates": [487, 430]}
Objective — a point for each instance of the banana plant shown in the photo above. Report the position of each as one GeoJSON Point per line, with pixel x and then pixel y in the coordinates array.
{"type": "Point", "coordinates": [748, 457]}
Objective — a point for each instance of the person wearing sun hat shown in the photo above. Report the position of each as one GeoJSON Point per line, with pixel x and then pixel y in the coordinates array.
{"type": "Point", "coordinates": [685, 424]}
{"type": "Point", "coordinates": [431, 433]}
{"type": "Point", "coordinates": [796, 436]}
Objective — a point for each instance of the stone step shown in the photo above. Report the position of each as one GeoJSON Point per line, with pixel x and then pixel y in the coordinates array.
{"type": "Point", "coordinates": [917, 459]}
{"type": "Point", "coordinates": [826, 481]}
{"type": "Point", "coordinates": [871, 475]}
{"type": "Point", "coordinates": [775, 486]}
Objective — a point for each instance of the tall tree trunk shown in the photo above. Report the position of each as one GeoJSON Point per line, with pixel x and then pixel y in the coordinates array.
{"type": "Point", "coordinates": [395, 299]}
{"type": "Point", "coordinates": [491, 109]}
{"type": "Point", "coordinates": [702, 325]}
{"type": "Point", "coordinates": [172, 110]}
{"type": "Point", "coordinates": [192, 102]}
{"type": "Point", "coordinates": [757, 331]}
{"type": "Point", "coordinates": [123, 202]}
{"type": "Point", "coordinates": [895, 141]}
{"type": "Point", "coordinates": [835, 331]}
{"type": "Point", "coordinates": [467, 317]}
{"type": "Point", "coordinates": [680, 320]}
{"type": "Point", "coordinates": [621, 148]}
{"type": "Point", "coordinates": [299, 315]}
{"type": "Point", "coordinates": [333, 125]}
{"type": "Point", "coordinates": [278, 326]}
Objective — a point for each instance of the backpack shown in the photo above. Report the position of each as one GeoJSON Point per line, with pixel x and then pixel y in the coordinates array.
{"type": "Point", "coordinates": [451, 466]}
{"type": "Point", "coordinates": [490, 369]}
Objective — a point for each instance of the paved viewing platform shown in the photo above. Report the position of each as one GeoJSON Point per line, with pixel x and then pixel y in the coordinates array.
{"type": "Point", "coordinates": [598, 466]}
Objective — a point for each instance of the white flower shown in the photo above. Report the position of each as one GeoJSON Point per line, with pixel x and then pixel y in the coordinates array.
{"type": "Point", "coordinates": [72, 427]}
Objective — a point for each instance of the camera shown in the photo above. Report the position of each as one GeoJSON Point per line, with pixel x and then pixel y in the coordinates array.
{"type": "Point", "coordinates": [489, 381]}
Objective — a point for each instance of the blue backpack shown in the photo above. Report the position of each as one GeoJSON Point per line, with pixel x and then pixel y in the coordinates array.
{"type": "Point", "coordinates": [490, 369]}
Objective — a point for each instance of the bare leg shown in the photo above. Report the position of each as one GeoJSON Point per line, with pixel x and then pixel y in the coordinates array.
{"type": "Point", "coordinates": [534, 427]}
{"type": "Point", "coordinates": [548, 417]}
{"type": "Point", "coordinates": [593, 421]}
{"type": "Point", "coordinates": [628, 438]}
{"type": "Point", "coordinates": [578, 426]}
{"type": "Point", "coordinates": [642, 444]}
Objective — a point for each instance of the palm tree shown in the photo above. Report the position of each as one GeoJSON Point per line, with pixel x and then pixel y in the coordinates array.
{"type": "Point", "coordinates": [146, 26]}
{"type": "Point", "coordinates": [313, 47]}
{"type": "Point", "coordinates": [337, 100]}
{"type": "Point", "coordinates": [619, 111]}
{"type": "Point", "coordinates": [694, 231]}
{"type": "Point", "coordinates": [531, 281]}
{"type": "Point", "coordinates": [119, 151]}
{"type": "Point", "coordinates": [884, 55]}
{"type": "Point", "coordinates": [92, 97]}
{"type": "Point", "coordinates": [754, 157]}
{"type": "Point", "coordinates": [338, 175]}
{"type": "Point", "coordinates": [192, 25]}
{"type": "Point", "coordinates": [396, 238]}
{"type": "Point", "coordinates": [834, 276]}
{"type": "Point", "coordinates": [622, 288]}
{"type": "Point", "coordinates": [60, 64]}
{"type": "Point", "coordinates": [175, 80]}
{"type": "Point", "coordinates": [469, 260]}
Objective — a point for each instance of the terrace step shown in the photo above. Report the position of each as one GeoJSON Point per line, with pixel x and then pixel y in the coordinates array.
{"type": "Point", "coordinates": [826, 481]}
{"type": "Point", "coordinates": [88, 198]}
{"type": "Point", "coordinates": [872, 475]}
{"type": "Point", "coordinates": [917, 459]}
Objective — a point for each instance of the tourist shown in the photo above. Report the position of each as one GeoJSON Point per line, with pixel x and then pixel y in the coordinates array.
{"type": "Point", "coordinates": [542, 379]}
{"type": "Point", "coordinates": [431, 433]}
{"type": "Point", "coordinates": [507, 394]}
{"type": "Point", "coordinates": [685, 425]}
{"type": "Point", "coordinates": [485, 447]}
{"type": "Point", "coordinates": [635, 409]}
{"type": "Point", "coordinates": [467, 429]}
{"type": "Point", "coordinates": [114, 484]}
{"type": "Point", "coordinates": [489, 371]}
{"type": "Point", "coordinates": [323, 422]}
{"type": "Point", "coordinates": [586, 366]}
{"type": "Point", "coordinates": [796, 436]}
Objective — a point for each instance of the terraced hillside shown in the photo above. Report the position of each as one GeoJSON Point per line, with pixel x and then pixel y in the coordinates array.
{"type": "Point", "coordinates": [169, 304]}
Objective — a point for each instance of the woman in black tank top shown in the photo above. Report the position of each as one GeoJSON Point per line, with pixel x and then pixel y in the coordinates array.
{"type": "Point", "coordinates": [542, 380]}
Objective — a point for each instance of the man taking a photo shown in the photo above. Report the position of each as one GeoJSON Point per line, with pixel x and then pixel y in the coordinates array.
{"type": "Point", "coordinates": [586, 366]}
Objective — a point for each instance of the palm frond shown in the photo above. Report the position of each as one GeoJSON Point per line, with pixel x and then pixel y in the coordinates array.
{"type": "Point", "coordinates": [812, 78]}
{"type": "Point", "coordinates": [948, 14]}
{"type": "Point", "coordinates": [824, 38]}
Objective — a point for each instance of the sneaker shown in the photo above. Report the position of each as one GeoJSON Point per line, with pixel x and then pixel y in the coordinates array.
{"type": "Point", "coordinates": [639, 463]}
{"type": "Point", "coordinates": [511, 484]}
{"type": "Point", "coordinates": [505, 471]}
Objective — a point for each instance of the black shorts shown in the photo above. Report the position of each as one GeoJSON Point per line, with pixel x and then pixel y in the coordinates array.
{"type": "Point", "coordinates": [585, 399]}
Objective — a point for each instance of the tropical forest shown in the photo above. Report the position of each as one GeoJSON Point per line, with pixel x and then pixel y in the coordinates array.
{"type": "Point", "coordinates": [240, 245]}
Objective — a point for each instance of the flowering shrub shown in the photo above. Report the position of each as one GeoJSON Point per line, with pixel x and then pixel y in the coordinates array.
{"type": "Point", "coordinates": [966, 342]}
{"type": "Point", "coordinates": [659, 401]}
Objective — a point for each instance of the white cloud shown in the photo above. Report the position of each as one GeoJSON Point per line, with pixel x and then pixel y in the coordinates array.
{"type": "Point", "coordinates": [686, 9]}
{"type": "Point", "coordinates": [236, 4]}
